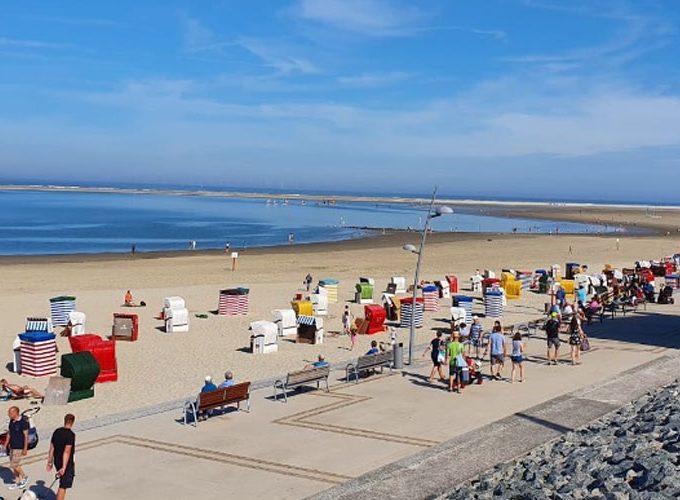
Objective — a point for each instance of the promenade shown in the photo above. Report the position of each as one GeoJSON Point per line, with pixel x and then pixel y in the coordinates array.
{"type": "Point", "coordinates": [332, 444]}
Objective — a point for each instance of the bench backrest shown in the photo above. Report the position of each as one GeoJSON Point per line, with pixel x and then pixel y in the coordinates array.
{"type": "Point", "coordinates": [382, 358]}
{"type": "Point", "coordinates": [227, 395]}
{"type": "Point", "coordinates": [304, 376]}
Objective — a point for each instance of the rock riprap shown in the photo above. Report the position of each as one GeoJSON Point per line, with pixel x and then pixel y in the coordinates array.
{"type": "Point", "coordinates": [632, 453]}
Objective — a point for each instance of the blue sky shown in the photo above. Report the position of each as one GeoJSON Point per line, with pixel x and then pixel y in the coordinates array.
{"type": "Point", "coordinates": [571, 99]}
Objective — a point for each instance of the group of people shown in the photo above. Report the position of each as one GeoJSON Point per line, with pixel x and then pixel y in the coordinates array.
{"type": "Point", "coordinates": [573, 315]}
{"type": "Point", "coordinates": [456, 354]}
{"type": "Point", "coordinates": [60, 457]}
{"type": "Point", "coordinates": [209, 385]}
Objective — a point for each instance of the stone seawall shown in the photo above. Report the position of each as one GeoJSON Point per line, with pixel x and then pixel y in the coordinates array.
{"type": "Point", "coordinates": [631, 453]}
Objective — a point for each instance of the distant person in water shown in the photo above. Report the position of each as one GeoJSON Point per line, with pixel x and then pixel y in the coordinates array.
{"type": "Point", "coordinates": [133, 250]}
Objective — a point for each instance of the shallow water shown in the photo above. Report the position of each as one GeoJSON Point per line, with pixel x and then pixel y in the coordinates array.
{"type": "Point", "coordinates": [39, 222]}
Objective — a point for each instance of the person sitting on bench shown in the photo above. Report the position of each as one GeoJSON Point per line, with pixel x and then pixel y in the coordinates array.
{"type": "Point", "coordinates": [15, 391]}
{"type": "Point", "coordinates": [374, 349]}
{"type": "Point", "coordinates": [228, 380]}
{"type": "Point", "coordinates": [319, 363]}
{"type": "Point", "coordinates": [208, 386]}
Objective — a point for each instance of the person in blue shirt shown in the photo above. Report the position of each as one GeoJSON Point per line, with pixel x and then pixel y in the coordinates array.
{"type": "Point", "coordinates": [374, 349]}
{"type": "Point", "coordinates": [208, 386]}
{"type": "Point", "coordinates": [581, 294]}
{"type": "Point", "coordinates": [561, 296]}
{"type": "Point", "coordinates": [228, 380]}
{"type": "Point", "coordinates": [498, 351]}
{"type": "Point", "coordinates": [319, 363]}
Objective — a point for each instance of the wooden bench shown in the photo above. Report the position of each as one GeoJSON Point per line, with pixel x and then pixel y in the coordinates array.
{"type": "Point", "coordinates": [218, 399]}
{"type": "Point", "coordinates": [300, 378]}
{"type": "Point", "coordinates": [368, 362]}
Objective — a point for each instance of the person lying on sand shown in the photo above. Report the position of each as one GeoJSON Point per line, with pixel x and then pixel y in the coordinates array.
{"type": "Point", "coordinates": [15, 391]}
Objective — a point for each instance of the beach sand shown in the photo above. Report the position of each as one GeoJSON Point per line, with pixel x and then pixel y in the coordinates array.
{"type": "Point", "coordinates": [162, 367]}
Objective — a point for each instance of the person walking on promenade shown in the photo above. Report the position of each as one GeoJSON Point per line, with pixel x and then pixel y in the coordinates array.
{"type": "Point", "coordinates": [62, 451]}
{"type": "Point", "coordinates": [16, 441]}
{"type": "Point", "coordinates": [552, 331]}
{"type": "Point", "coordinates": [437, 354]}
{"type": "Point", "coordinates": [498, 350]}
{"type": "Point", "coordinates": [517, 357]}
{"type": "Point", "coordinates": [575, 338]}
{"type": "Point", "coordinates": [476, 337]}
{"type": "Point", "coordinates": [454, 355]}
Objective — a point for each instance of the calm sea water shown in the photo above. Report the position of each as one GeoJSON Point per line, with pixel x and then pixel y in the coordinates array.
{"type": "Point", "coordinates": [35, 223]}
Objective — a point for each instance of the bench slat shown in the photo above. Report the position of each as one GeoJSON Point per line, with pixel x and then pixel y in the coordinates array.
{"type": "Point", "coordinates": [371, 361]}
{"type": "Point", "coordinates": [225, 396]}
{"type": "Point", "coordinates": [306, 376]}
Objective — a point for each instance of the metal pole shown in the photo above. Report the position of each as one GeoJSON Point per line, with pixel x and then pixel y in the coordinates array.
{"type": "Point", "coordinates": [412, 325]}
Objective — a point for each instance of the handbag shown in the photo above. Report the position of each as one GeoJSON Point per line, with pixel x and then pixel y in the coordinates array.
{"type": "Point", "coordinates": [460, 361]}
{"type": "Point", "coordinates": [441, 357]}
{"type": "Point", "coordinates": [465, 376]}
{"type": "Point", "coordinates": [585, 344]}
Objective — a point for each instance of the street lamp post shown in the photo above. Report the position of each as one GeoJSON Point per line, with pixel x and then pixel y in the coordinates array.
{"type": "Point", "coordinates": [431, 214]}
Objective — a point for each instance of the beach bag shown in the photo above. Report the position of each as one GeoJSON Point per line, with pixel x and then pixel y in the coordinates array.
{"type": "Point", "coordinates": [460, 362]}
{"type": "Point", "coordinates": [585, 344]}
{"type": "Point", "coordinates": [441, 357]}
{"type": "Point", "coordinates": [465, 376]}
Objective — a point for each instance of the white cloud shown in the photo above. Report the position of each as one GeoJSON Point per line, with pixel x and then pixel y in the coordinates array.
{"type": "Point", "coordinates": [499, 35]}
{"type": "Point", "coordinates": [199, 39]}
{"type": "Point", "coordinates": [494, 120]}
{"type": "Point", "coordinates": [367, 80]}
{"type": "Point", "coordinates": [80, 21]}
{"type": "Point", "coordinates": [367, 17]}
{"type": "Point", "coordinates": [276, 54]}
{"type": "Point", "coordinates": [15, 43]}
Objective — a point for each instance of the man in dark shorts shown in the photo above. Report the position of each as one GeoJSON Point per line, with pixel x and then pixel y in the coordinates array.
{"type": "Point", "coordinates": [498, 351]}
{"type": "Point", "coordinates": [62, 450]}
{"type": "Point", "coordinates": [552, 331]}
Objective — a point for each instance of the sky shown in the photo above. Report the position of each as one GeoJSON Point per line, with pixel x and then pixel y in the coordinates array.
{"type": "Point", "coordinates": [573, 99]}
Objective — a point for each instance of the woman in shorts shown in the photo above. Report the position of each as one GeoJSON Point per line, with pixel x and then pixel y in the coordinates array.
{"type": "Point", "coordinates": [517, 357]}
{"type": "Point", "coordinates": [437, 353]}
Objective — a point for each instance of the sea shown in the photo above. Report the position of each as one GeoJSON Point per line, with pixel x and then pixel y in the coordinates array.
{"type": "Point", "coordinates": [70, 222]}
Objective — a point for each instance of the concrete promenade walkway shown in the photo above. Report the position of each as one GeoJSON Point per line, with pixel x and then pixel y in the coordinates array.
{"type": "Point", "coordinates": [389, 436]}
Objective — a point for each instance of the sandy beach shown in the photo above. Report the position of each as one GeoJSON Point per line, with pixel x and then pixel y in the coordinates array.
{"type": "Point", "coordinates": [163, 367]}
